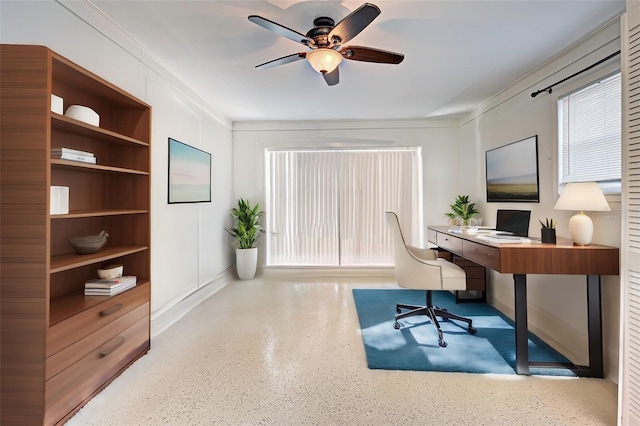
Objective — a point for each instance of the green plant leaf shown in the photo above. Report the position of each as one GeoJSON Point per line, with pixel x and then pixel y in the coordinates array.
{"type": "Point", "coordinates": [247, 227]}
{"type": "Point", "coordinates": [463, 209]}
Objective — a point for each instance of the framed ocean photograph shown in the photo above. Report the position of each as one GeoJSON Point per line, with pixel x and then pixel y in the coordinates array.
{"type": "Point", "coordinates": [189, 174]}
{"type": "Point", "coordinates": [512, 172]}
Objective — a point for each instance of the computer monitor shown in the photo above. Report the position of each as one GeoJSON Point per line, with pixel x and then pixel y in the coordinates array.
{"type": "Point", "coordinates": [513, 221]}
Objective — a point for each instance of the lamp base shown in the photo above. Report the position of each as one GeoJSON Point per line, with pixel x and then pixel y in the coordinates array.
{"type": "Point", "coordinates": [581, 229]}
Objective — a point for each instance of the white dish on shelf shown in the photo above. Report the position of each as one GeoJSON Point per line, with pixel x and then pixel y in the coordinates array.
{"type": "Point", "coordinates": [110, 271]}
{"type": "Point", "coordinates": [84, 114]}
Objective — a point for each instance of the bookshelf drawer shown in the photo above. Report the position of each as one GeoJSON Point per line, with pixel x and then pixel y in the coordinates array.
{"type": "Point", "coordinates": [62, 360]}
{"type": "Point", "coordinates": [67, 391]}
{"type": "Point", "coordinates": [71, 330]}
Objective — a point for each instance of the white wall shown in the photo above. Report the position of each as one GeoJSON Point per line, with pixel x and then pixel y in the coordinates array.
{"type": "Point", "coordinates": [556, 303]}
{"type": "Point", "coordinates": [438, 140]}
{"type": "Point", "coordinates": [190, 250]}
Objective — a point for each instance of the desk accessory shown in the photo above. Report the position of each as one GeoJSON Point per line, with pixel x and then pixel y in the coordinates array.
{"type": "Point", "coordinates": [548, 231]}
{"type": "Point", "coordinates": [582, 196]}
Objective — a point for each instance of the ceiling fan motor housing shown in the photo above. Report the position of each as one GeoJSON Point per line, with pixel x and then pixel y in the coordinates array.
{"type": "Point", "coordinates": [322, 26]}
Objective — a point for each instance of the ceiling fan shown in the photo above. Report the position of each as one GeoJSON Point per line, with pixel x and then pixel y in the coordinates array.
{"type": "Point", "coordinates": [325, 41]}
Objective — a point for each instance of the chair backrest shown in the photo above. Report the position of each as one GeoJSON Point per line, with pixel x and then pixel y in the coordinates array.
{"type": "Point", "coordinates": [411, 271]}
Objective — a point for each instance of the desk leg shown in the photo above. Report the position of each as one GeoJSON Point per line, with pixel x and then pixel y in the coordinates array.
{"type": "Point", "coordinates": [595, 326]}
{"type": "Point", "coordinates": [522, 328]}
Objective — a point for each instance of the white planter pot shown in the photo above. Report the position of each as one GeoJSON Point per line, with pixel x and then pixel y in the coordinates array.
{"type": "Point", "coordinates": [246, 262]}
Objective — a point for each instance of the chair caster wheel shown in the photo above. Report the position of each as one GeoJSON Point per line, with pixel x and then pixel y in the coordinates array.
{"type": "Point", "coordinates": [396, 325]}
{"type": "Point", "coordinates": [442, 343]}
{"type": "Point", "coordinates": [472, 330]}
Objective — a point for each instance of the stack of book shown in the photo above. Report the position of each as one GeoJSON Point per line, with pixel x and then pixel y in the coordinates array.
{"type": "Point", "coordinates": [109, 287]}
{"type": "Point", "coordinates": [73, 155]}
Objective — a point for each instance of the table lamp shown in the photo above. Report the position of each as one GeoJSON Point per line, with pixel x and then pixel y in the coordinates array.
{"type": "Point", "coordinates": [582, 196]}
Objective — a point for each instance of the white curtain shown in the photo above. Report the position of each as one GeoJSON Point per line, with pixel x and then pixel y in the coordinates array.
{"type": "Point", "coordinates": [326, 207]}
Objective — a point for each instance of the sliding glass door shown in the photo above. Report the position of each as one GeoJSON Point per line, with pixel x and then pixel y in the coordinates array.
{"type": "Point", "coordinates": [326, 207]}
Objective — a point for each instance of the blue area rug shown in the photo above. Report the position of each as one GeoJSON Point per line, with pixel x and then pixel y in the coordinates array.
{"type": "Point", "coordinates": [415, 345]}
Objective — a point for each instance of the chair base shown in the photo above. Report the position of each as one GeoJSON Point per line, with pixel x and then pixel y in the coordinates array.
{"type": "Point", "coordinates": [432, 312]}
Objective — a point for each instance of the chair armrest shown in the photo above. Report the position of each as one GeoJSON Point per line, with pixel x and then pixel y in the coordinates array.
{"type": "Point", "coordinates": [453, 276]}
{"type": "Point", "coordinates": [423, 253]}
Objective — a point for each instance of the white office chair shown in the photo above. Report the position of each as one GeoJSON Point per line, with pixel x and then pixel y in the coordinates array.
{"type": "Point", "coordinates": [418, 268]}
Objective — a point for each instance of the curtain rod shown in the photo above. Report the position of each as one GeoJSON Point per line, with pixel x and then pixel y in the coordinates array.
{"type": "Point", "coordinates": [548, 88]}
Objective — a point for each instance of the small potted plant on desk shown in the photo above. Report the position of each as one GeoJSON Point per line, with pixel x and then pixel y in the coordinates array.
{"type": "Point", "coordinates": [246, 232]}
{"type": "Point", "coordinates": [548, 231]}
{"type": "Point", "coordinates": [462, 208]}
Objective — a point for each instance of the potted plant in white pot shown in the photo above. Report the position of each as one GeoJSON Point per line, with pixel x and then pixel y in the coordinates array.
{"type": "Point", "coordinates": [246, 231]}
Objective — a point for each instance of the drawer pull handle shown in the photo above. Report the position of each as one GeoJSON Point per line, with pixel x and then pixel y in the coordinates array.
{"type": "Point", "coordinates": [118, 341]}
{"type": "Point", "coordinates": [111, 310]}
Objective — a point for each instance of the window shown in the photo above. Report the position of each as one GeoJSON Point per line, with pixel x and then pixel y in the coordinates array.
{"type": "Point", "coordinates": [326, 207]}
{"type": "Point", "coordinates": [589, 134]}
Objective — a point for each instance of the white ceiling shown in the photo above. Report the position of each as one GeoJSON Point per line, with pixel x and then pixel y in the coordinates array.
{"type": "Point", "coordinates": [457, 53]}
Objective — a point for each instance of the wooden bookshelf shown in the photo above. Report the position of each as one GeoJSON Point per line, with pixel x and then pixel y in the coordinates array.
{"type": "Point", "coordinates": [58, 347]}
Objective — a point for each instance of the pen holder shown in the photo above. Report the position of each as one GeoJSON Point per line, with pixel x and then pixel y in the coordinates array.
{"type": "Point", "coordinates": [548, 235]}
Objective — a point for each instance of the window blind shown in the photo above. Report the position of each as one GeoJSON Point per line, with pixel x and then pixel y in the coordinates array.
{"type": "Point", "coordinates": [589, 127]}
{"type": "Point", "coordinates": [326, 207]}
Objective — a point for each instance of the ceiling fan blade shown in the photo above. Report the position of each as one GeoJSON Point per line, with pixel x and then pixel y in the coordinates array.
{"type": "Point", "coordinates": [368, 54]}
{"type": "Point", "coordinates": [355, 22]}
{"type": "Point", "coordinates": [282, 30]}
{"type": "Point", "coordinates": [332, 78]}
{"type": "Point", "coordinates": [282, 61]}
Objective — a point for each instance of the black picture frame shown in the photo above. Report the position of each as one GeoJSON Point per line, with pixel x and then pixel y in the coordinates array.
{"type": "Point", "coordinates": [512, 172]}
{"type": "Point", "coordinates": [189, 177]}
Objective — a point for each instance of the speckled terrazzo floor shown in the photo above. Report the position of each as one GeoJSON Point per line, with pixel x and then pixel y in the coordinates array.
{"type": "Point", "coordinates": [288, 352]}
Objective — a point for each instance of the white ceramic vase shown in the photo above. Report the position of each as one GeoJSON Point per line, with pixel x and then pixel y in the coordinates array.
{"type": "Point", "coordinates": [246, 262]}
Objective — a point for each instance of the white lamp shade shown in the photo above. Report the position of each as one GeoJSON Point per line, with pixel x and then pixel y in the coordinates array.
{"type": "Point", "coordinates": [582, 196]}
{"type": "Point", "coordinates": [324, 60]}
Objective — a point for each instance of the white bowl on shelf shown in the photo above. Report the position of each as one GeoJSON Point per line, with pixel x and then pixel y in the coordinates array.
{"type": "Point", "coordinates": [84, 114]}
{"type": "Point", "coordinates": [110, 271]}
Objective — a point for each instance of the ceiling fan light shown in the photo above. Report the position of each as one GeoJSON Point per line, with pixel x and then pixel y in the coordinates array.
{"type": "Point", "coordinates": [324, 60]}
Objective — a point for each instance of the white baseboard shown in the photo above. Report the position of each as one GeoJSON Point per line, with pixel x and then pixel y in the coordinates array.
{"type": "Point", "coordinates": [325, 272]}
{"type": "Point", "coordinates": [167, 317]}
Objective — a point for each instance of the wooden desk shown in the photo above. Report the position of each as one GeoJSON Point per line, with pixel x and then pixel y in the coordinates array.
{"type": "Point", "coordinates": [521, 259]}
